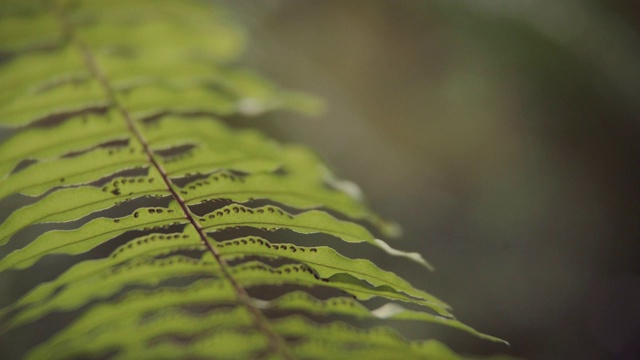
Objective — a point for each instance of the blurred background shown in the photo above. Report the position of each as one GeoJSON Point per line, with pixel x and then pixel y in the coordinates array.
{"type": "Point", "coordinates": [501, 134]}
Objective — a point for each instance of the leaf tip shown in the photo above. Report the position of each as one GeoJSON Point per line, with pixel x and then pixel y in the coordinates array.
{"type": "Point", "coordinates": [409, 255]}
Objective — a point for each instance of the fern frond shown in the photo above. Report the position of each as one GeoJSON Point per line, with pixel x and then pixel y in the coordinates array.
{"type": "Point", "coordinates": [158, 226]}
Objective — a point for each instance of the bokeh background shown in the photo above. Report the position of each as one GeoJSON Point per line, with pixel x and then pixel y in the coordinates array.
{"type": "Point", "coordinates": [501, 134]}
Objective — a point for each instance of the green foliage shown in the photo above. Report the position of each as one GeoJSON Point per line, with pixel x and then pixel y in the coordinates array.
{"type": "Point", "coordinates": [170, 224]}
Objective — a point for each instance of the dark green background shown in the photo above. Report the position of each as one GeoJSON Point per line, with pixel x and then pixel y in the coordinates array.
{"type": "Point", "coordinates": [502, 135]}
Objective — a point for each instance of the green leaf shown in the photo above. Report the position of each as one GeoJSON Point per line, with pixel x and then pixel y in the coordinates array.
{"type": "Point", "coordinates": [130, 309]}
{"type": "Point", "coordinates": [73, 203]}
{"type": "Point", "coordinates": [327, 262]}
{"type": "Point", "coordinates": [311, 222]}
{"type": "Point", "coordinates": [109, 109]}
{"type": "Point", "coordinates": [90, 235]}
{"type": "Point", "coordinates": [144, 247]}
{"type": "Point", "coordinates": [340, 341]}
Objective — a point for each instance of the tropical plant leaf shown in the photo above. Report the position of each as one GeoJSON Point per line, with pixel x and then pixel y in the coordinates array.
{"type": "Point", "coordinates": [157, 230]}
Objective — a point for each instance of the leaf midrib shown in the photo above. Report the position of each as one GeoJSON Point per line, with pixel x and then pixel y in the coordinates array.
{"type": "Point", "coordinates": [276, 342]}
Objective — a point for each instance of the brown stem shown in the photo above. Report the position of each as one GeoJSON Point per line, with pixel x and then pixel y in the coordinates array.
{"type": "Point", "coordinates": [276, 342]}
